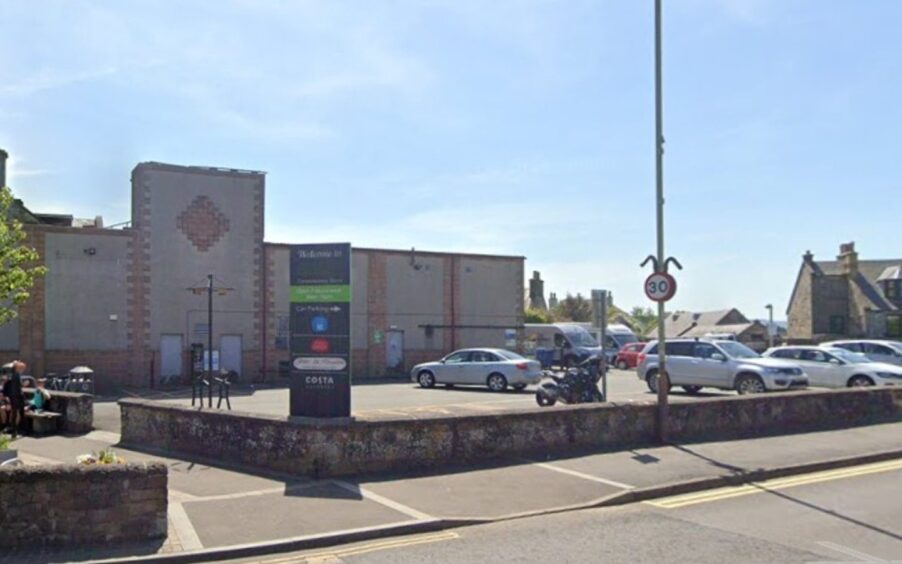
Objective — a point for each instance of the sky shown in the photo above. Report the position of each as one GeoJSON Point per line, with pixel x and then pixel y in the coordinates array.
{"type": "Point", "coordinates": [507, 127]}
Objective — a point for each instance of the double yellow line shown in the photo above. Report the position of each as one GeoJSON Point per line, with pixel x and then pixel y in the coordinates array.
{"type": "Point", "coordinates": [332, 555]}
{"type": "Point", "coordinates": [775, 484]}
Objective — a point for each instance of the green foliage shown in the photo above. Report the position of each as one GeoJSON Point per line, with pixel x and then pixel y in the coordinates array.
{"type": "Point", "coordinates": [18, 261]}
{"type": "Point", "coordinates": [573, 308]}
{"type": "Point", "coordinates": [537, 316]}
{"type": "Point", "coordinates": [4, 442]}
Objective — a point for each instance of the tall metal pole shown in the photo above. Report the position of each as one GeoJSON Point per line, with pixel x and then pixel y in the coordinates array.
{"type": "Point", "coordinates": [604, 340]}
{"type": "Point", "coordinates": [770, 325]}
{"type": "Point", "coordinates": [209, 342]}
{"type": "Point", "coordinates": [663, 380]}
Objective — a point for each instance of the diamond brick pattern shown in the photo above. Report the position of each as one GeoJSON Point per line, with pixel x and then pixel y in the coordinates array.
{"type": "Point", "coordinates": [202, 223]}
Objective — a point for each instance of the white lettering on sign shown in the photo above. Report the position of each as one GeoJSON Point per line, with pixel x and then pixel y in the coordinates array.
{"type": "Point", "coordinates": [320, 364]}
{"type": "Point", "coordinates": [319, 380]}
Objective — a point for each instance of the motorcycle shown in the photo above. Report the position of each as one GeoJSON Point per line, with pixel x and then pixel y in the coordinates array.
{"type": "Point", "coordinates": [574, 385]}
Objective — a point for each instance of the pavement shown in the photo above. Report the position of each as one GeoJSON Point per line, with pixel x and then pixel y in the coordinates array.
{"type": "Point", "coordinates": [852, 515]}
{"type": "Point", "coordinates": [219, 508]}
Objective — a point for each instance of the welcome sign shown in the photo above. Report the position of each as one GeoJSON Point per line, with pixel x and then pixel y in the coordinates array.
{"type": "Point", "coordinates": [320, 329]}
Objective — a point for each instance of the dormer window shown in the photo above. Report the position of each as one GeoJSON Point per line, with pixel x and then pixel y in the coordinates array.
{"type": "Point", "coordinates": [892, 289]}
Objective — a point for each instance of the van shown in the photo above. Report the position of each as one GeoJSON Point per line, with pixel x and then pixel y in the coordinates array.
{"type": "Point", "coordinates": [571, 342]}
{"type": "Point", "coordinates": [617, 336]}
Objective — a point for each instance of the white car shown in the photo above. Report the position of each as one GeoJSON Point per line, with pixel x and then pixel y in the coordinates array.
{"type": "Point", "coordinates": [889, 352]}
{"type": "Point", "coordinates": [495, 368]}
{"type": "Point", "coordinates": [833, 367]}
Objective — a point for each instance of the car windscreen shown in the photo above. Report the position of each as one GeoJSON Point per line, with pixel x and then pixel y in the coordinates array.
{"type": "Point", "coordinates": [578, 336]}
{"type": "Point", "coordinates": [509, 355]}
{"type": "Point", "coordinates": [849, 356]}
{"type": "Point", "coordinates": [737, 350]}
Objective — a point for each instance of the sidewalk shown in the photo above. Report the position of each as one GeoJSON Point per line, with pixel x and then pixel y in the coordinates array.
{"type": "Point", "coordinates": [213, 508]}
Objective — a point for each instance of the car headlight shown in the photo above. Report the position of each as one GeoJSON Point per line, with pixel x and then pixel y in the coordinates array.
{"type": "Point", "coordinates": [771, 370]}
{"type": "Point", "coordinates": [890, 375]}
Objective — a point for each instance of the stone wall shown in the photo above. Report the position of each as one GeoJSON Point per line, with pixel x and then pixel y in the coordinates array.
{"type": "Point", "coordinates": [73, 504]}
{"type": "Point", "coordinates": [380, 445]}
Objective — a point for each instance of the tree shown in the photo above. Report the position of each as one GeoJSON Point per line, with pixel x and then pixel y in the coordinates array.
{"type": "Point", "coordinates": [18, 261]}
{"type": "Point", "coordinates": [532, 315]}
{"type": "Point", "coordinates": [573, 308]}
{"type": "Point", "coordinates": [646, 319]}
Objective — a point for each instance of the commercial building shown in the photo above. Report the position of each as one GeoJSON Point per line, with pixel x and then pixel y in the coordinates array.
{"type": "Point", "coordinates": [129, 302]}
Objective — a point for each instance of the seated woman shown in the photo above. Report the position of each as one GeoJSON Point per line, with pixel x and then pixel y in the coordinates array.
{"type": "Point", "coordinates": [39, 399]}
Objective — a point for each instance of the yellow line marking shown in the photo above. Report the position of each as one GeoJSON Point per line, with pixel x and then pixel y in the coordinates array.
{"type": "Point", "coordinates": [775, 484]}
{"type": "Point", "coordinates": [365, 548]}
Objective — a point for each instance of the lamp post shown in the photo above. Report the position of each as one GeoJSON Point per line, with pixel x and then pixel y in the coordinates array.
{"type": "Point", "coordinates": [209, 289]}
{"type": "Point", "coordinates": [770, 325]}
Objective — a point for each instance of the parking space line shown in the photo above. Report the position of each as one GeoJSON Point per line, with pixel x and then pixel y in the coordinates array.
{"type": "Point", "coordinates": [581, 475]}
{"type": "Point", "coordinates": [399, 507]}
{"type": "Point", "coordinates": [254, 493]}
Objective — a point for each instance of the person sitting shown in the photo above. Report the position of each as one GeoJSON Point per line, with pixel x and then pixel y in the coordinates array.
{"type": "Point", "coordinates": [39, 399]}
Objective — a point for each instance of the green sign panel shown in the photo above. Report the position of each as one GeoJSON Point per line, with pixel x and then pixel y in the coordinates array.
{"type": "Point", "coordinates": [321, 293]}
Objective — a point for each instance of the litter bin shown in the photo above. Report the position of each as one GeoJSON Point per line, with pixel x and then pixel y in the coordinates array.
{"type": "Point", "coordinates": [545, 356]}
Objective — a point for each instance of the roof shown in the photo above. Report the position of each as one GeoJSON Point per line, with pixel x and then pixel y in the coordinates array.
{"type": "Point", "coordinates": [224, 171]}
{"type": "Point", "coordinates": [870, 272]}
{"type": "Point", "coordinates": [732, 328]}
{"type": "Point", "coordinates": [681, 323]}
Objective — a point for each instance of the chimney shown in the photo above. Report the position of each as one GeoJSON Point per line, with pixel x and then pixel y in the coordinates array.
{"type": "Point", "coordinates": [808, 257]}
{"type": "Point", "coordinates": [3, 156]}
{"type": "Point", "coordinates": [537, 292]}
{"type": "Point", "coordinates": [848, 258]}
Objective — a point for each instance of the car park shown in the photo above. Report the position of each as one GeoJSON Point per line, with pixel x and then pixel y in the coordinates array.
{"type": "Point", "coordinates": [628, 356]}
{"type": "Point", "coordinates": [889, 352]}
{"type": "Point", "coordinates": [495, 368]}
{"type": "Point", "coordinates": [832, 367]}
{"type": "Point", "coordinates": [694, 364]}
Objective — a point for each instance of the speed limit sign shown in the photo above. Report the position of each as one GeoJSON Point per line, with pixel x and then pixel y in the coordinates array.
{"type": "Point", "coordinates": [660, 287]}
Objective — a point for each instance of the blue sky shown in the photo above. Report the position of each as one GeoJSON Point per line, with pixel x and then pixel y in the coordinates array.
{"type": "Point", "coordinates": [516, 127]}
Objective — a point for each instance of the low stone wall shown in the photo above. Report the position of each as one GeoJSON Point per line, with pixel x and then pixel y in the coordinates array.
{"type": "Point", "coordinates": [77, 410]}
{"type": "Point", "coordinates": [77, 504]}
{"type": "Point", "coordinates": [379, 445]}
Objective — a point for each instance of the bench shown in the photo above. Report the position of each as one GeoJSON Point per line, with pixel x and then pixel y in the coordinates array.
{"type": "Point", "coordinates": [43, 422]}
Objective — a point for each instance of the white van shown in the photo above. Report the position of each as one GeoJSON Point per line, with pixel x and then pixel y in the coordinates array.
{"type": "Point", "coordinates": [571, 342]}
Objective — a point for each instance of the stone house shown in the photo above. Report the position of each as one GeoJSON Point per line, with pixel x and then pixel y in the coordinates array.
{"type": "Point", "coordinates": [846, 297]}
{"type": "Point", "coordinates": [725, 322]}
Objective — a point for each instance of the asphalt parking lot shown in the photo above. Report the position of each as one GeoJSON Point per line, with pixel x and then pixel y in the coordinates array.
{"type": "Point", "coordinates": [408, 399]}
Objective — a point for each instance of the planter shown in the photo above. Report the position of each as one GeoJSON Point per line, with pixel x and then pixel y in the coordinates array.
{"type": "Point", "coordinates": [8, 454]}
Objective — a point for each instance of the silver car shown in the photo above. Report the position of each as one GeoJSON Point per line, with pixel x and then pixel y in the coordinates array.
{"type": "Point", "coordinates": [495, 368]}
{"type": "Point", "coordinates": [698, 363]}
{"type": "Point", "coordinates": [889, 352]}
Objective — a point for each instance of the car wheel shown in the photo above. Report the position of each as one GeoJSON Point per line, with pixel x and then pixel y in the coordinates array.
{"type": "Point", "coordinates": [651, 380]}
{"type": "Point", "coordinates": [692, 390]}
{"type": "Point", "coordinates": [519, 387]}
{"type": "Point", "coordinates": [749, 384]}
{"type": "Point", "coordinates": [622, 365]}
{"type": "Point", "coordinates": [496, 382]}
{"type": "Point", "coordinates": [426, 379]}
{"type": "Point", "coordinates": [860, 381]}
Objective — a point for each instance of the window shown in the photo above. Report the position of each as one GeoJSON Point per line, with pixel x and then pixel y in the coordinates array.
{"type": "Point", "coordinates": [679, 348]}
{"type": "Point", "coordinates": [873, 348]}
{"type": "Point", "coordinates": [894, 325]}
{"type": "Point", "coordinates": [854, 347]}
{"type": "Point", "coordinates": [893, 289]}
{"type": "Point", "coordinates": [814, 356]}
{"type": "Point", "coordinates": [705, 350]}
{"type": "Point", "coordinates": [838, 324]}
{"type": "Point", "coordinates": [457, 358]}
{"type": "Point", "coordinates": [483, 356]}
{"type": "Point", "coordinates": [786, 353]}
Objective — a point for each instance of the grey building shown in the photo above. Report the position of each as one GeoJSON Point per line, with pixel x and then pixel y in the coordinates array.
{"type": "Point", "coordinates": [846, 297]}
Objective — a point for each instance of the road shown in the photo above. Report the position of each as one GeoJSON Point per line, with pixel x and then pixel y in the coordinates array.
{"type": "Point", "coordinates": [850, 515]}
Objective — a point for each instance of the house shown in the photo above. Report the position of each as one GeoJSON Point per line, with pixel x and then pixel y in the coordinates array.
{"type": "Point", "coordinates": [846, 297]}
{"type": "Point", "coordinates": [725, 322]}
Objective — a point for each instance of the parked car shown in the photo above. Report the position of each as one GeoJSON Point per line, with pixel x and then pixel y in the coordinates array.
{"type": "Point", "coordinates": [628, 356]}
{"type": "Point", "coordinates": [727, 365]}
{"type": "Point", "coordinates": [889, 352]}
{"type": "Point", "coordinates": [832, 367]}
{"type": "Point", "coordinates": [495, 368]}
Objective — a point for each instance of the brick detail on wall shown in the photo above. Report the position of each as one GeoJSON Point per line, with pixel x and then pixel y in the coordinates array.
{"type": "Point", "coordinates": [202, 223]}
{"type": "Point", "coordinates": [376, 300]}
{"type": "Point", "coordinates": [139, 283]}
{"type": "Point", "coordinates": [260, 292]}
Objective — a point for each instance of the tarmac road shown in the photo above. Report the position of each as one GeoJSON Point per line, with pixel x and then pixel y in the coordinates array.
{"type": "Point", "coordinates": [849, 515]}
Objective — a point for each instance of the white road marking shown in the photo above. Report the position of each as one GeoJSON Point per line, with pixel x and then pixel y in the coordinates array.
{"type": "Point", "coordinates": [576, 474]}
{"type": "Point", "coordinates": [850, 552]}
{"type": "Point", "coordinates": [401, 508]}
{"type": "Point", "coordinates": [183, 527]}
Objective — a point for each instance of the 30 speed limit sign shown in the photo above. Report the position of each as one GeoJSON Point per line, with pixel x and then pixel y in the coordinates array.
{"type": "Point", "coordinates": [660, 287]}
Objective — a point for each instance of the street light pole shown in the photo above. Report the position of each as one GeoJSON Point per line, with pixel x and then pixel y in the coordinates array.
{"type": "Point", "coordinates": [770, 325]}
{"type": "Point", "coordinates": [209, 341]}
{"type": "Point", "coordinates": [663, 380]}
